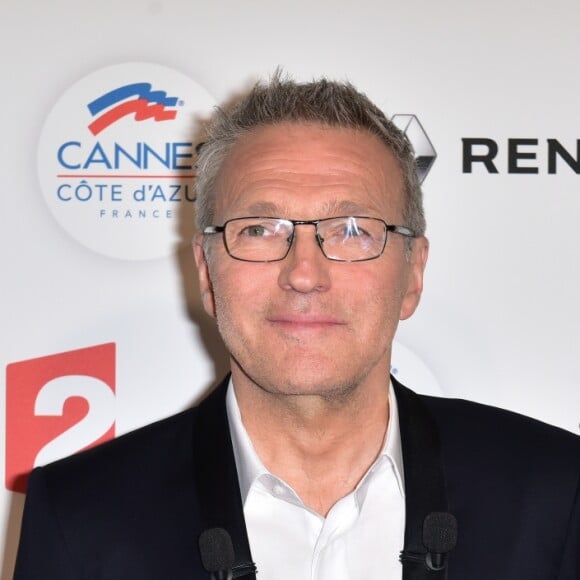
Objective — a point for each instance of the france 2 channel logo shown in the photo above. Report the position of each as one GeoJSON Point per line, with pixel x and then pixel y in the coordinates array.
{"type": "Point", "coordinates": [57, 405]}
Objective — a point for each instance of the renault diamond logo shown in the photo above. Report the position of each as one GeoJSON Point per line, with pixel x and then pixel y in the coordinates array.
{"type": "Point", "coordinates": [425, 153]}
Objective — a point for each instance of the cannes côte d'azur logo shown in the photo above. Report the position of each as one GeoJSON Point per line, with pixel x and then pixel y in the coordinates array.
{"type": "Point", "coordinates": [116, 155]}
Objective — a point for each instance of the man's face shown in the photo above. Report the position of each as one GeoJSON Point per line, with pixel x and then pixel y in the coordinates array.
{"type": "Point", "coordinates": [308, 325]}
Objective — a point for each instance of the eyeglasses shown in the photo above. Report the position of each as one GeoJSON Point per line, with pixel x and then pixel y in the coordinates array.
{"type": "Point", "coordinates": [343, 239]}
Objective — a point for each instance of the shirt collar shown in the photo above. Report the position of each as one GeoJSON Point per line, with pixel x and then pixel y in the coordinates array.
{"type": "Point", "coordinates": [248, 463]}
{"type": "Point", "coordinates": [250, 467]}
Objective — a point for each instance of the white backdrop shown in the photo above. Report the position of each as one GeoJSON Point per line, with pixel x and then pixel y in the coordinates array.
{"type": "Point", "coordinates": [500, 319]}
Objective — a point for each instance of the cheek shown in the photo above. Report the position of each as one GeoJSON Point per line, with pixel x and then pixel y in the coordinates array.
{"type": "Point", "coordinates": [382, 299]}
{"type": "Point", "coordinates": [238, 292]}
{"type": "Point", "coordinates": [228, 310]}
{"type": "Point", "coordinates": [385, 311]}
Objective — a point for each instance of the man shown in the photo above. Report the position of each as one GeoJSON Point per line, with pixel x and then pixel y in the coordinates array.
{"type": "Point", "coordinates": [313, 461]}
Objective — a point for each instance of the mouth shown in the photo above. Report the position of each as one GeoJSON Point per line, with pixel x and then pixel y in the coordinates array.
{"type": "Point", "coordinates": [304, 322]}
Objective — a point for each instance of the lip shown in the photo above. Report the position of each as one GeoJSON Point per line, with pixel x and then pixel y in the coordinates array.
{"type": "Point", "coordinates": [304, 321]}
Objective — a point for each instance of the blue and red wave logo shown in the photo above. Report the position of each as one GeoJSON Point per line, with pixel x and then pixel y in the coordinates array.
{"type": "Point", "coordinates": [136, 99]}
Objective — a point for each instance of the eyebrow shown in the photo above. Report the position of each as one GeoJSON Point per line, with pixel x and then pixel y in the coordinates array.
{"type": "Point", "coordinates": [346, 207]}
{"type": "Point", "coordinates": [263, 208]}
{"type": "Point", "coordinates": [334, 207]}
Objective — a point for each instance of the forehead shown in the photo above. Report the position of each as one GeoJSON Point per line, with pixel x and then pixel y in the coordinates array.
{"type": "Point", "coordinates": [308, 171]}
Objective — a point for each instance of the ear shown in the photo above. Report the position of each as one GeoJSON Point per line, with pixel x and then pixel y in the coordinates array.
{"type": "Point", "coordinates": [205, 285]}
{"type": "Point", "coordinates": [417, 263]}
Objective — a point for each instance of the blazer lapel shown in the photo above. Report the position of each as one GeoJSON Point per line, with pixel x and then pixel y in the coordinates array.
{"type": "Point", "coordinates": [425, 490]}
{"type": "Point", "coordinates": [216, 478]}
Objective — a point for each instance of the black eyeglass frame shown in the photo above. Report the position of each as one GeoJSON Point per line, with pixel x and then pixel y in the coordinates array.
{"type": "Point", "coordinates": [402, 230]}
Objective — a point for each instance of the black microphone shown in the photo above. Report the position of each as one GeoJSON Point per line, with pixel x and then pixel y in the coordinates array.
{"type": "Point", "coordinates": [439, 537]}
{"type": "Point", "coordinates": [217, 553]}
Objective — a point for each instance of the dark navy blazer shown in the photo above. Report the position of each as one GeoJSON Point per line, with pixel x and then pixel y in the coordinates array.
{"type": "Point", "coordinates": [133, 508]}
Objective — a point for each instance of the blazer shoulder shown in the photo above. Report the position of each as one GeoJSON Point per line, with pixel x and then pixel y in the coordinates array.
{"type": "Point", "coordinates": [124, 509]}
{"type": "Point", "coordinates": [480, 438]}
{"type": "Point", "coordinates": [493, 423]}
{"type": "Point", "coordinates": [152, 451]}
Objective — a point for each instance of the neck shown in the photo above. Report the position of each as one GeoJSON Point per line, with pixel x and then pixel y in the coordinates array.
{"type": "Point", "coordinates": [320, 445]}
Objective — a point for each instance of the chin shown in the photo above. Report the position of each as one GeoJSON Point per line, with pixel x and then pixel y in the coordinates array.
{"type": "Point", "coordinates": [311, 374]}
{"type": "Point", "coordinates": [326, 387]}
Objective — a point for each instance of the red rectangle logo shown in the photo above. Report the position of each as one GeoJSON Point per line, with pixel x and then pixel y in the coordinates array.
{"type": "Point", "coordinates": [57, 405]}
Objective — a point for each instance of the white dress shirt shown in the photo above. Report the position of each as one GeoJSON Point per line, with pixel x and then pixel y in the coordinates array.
{"type": "Point", "coordinates": [360, 538]}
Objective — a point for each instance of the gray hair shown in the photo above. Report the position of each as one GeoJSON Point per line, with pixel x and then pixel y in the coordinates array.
{"type": "Point", "coordinates": [325, 102]}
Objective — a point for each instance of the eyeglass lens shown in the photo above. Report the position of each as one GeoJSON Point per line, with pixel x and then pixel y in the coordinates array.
{"type": "Point", "coordinates": [269, 239]}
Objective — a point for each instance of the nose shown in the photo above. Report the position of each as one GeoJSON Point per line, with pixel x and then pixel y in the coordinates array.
{"type": "Point", "coordinates": [305, 269]}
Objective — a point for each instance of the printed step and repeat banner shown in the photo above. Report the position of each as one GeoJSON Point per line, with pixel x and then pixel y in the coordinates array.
{"type": "Point", "coordinates": [102, 106]}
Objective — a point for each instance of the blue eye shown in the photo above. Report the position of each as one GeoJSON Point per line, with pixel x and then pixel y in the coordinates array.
{"type": "Point", "coordinates": [346, 231]}
{"type": "Point", "coordinates": [268, 228]}
{"type": "Point", "coordinates": [255, 231]}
